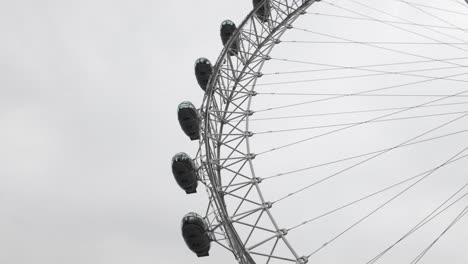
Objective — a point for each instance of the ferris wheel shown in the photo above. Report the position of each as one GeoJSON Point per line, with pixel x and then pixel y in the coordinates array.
{"type": "Point", "coordinates": [333, 131]}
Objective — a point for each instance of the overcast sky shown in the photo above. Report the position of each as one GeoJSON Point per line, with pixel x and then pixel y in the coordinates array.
{"type": "Point", "coordinates": [88, 125]}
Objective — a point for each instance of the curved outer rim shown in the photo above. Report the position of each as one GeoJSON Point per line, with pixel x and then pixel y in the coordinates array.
{"type": "Point", "coordinates": [242, 254]}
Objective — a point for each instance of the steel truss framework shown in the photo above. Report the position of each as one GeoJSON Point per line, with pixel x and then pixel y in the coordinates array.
{"type": "Point", "coordinates": [224, 157]}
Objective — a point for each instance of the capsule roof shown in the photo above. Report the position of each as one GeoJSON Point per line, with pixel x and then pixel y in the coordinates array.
{"type": "Point", "coordinates": [193, 218]}
{"type": "Point", "coordinates": [181, 156]}
{"type": "Point", "coordinates": [227, 22]}
{"type": "Point", "coordinates": [185, 105]}
{"type": "Point", "coordinates": [202, 61]}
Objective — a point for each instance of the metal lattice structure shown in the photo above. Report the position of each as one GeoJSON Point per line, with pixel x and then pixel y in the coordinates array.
{"type": "Point", "coordinates": [225, 157]}
{"type": "Point", "coordinates": [240, 217]}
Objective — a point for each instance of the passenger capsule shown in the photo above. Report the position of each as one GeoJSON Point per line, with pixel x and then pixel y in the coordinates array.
{"type": "Point", "coordinates": [188, 120]}
{"type": "Point", "coordinates": [195, 233]}
{"type": "Point", "coordinates": [227, 30]}
{"type": "Point", "coordinates": [185, 172]}
{"type": "Point", "coordinates": [203, 70]}
{"type": "Point", "coordinates": [263, 13]}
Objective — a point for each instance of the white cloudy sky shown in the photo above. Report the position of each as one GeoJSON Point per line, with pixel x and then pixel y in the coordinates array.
{"type": "Point", "coordinates": [88, 93]}
{"type": "Point", "coordinates": [88, 97]}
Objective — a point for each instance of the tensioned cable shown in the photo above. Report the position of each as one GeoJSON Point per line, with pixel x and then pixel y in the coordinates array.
{"type": "Point", "coordinates": [398, 27]}
{"type": "Point", "coordinates": [367, 159]}
{"type": "Point", "coordinates": [354, 123]}
{"type": "Point", "coordinates": [354, 112]}
{"type": "Point", "coordinates": [337, 68]}
{"type": "Point", "coordinates": [357, 201]}
{"type": "Point", "coordinates": [433, 7]}
{"type": "Point", "coordinates": [386, 13]}
{"type": "Point", "coordinates": [458, 218]}
{"type": "Point", "coordinates": [374, 42]}
{"type": "Point", "coordinates": [380, 73]}
{"type": "Point", "coordinates": [423, 222]}
{"type": "Point", "coordinates": [381, 20]}
{"type": "Point", "coordinates": [357, 76]}
{"type": "Point", "coordinates": [374, 194]}
{"type": "Point", "coordinates": [361, 67]}
{"type": "Point", "coordinates": [348, 127]}
{"type": "Point", "coordinates": [434, 16]}
{"type": "Point", "coordinates": [363, 155]}
{"type": "Point", "coordinates": [358, 93]}
{"type": "Point", "coordinates": [386, 203]}
{"type": "Point", "coordinates": [463, 4]}
{"type": "Point", "coordinates": [379, 47]}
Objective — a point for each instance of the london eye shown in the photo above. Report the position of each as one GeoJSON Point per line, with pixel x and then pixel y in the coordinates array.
{"type": "Point", "coordinates": [319, 121]}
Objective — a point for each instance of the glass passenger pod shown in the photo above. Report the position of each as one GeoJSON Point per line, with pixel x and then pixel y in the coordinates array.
{"type": "Point", "coordinates": [228, 28]}
{"type": "Point", "coordinates": [188, 120]}
{"type": "Point", "coordinates": [185, 172]}
{"type": "Point", "coordinates": [203, 71]}
{"type": "Point", "coordinates": [263, 13]}
{"type": "Point", "coordinates": [195, 234]}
